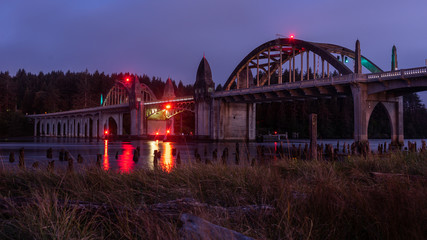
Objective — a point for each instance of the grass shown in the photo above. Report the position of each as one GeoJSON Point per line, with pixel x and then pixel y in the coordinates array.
{"type": "Point", "coordinates": [312, 200]}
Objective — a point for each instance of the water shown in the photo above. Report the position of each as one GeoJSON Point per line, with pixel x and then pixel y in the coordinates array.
{"type": "Point", "coordinates": [35, 150]}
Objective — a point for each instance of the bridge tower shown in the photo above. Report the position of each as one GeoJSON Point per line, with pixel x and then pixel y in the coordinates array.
{"type": "Point", "coordinates": [137, 110]}
{"type": "Point", "coordinates": [365, 103]}
{"type": "Point", "coordinates": [203, 90]}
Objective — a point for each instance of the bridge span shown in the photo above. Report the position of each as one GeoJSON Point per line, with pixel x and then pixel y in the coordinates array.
{"type": "Point", "coordinates": [130, 108]}
{"type": "Point", "coordinates": [284, 69]}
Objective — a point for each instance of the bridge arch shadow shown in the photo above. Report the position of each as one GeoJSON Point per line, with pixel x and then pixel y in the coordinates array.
{"type": "Point", "coordinates": [379, 126]}
{"type": "Point", "coordinates": [112, 126]}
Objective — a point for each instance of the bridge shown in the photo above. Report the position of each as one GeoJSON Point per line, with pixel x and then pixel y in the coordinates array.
{"type": "Point", "coordinates": [284, 69]}
{"type": "Point", "coordinates": [130, 108]}
{"type": "Point", "coordinates": [274, 71]}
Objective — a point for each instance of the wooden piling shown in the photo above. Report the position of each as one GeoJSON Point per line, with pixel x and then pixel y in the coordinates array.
{"type": "Point", "coordinates": [11, 157]}
{"type": "Point", "coordinates": [313, 135]}
{"type": "Point", "coordinates": [49, 153]}
{"type": "Point", "coordinates": [21, 158]}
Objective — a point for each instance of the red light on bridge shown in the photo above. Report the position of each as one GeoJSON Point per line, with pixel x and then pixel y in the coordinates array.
{"type": "Point", "coordinates": [168, 106]}
{"type": "Point", "coordinates": [106, 132]}
{"type": "Point", "coordinates": [127, 79]}
{"type": "Point", "coordinates": [157, 133]}
{"type": "Point", "coordinates": [168, 131]}
{"type": "Point", "coordinates": [292, 36]}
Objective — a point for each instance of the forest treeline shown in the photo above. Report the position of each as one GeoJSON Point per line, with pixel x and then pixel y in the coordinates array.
{"type": "Point", "coordinates": [28, 93]}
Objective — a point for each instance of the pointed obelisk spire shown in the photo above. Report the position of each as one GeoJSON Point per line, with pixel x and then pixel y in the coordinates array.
{"type": "Point", "coordinates": [357, 59]}
{"type": "Point", "coordinates": [169, 91]}
{"type": "Point", "coordinates": [394, 58]}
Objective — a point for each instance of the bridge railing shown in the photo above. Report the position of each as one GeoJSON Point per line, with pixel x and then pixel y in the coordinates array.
{"type": "Point", "coordinates": [399, 73]}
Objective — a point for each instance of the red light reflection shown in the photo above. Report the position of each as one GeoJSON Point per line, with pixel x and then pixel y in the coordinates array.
{"type": "Point", "coordinates": [106, 162]}
{"type": "Point", "coordinates": [125, 160]}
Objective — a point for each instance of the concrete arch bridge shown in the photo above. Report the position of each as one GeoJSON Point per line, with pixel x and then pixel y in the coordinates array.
{"type": "Point", "coordinates": [130, 108]}
{"type": "Point", "coordinates": [287, 69]}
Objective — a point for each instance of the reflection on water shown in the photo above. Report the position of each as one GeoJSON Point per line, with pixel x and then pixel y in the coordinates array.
{"type": "Point", "coordinates": [118, 155]}
{"type": "Point", "coordinates": [125, 160]}
{"type": "Point", "coordinates": [106, 162]}
{"type": "Point", "coordinates": [167, 161]}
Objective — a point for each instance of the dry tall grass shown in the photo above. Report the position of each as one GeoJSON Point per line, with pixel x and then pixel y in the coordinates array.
{"type": "Point", "coordinates": [312, 200]}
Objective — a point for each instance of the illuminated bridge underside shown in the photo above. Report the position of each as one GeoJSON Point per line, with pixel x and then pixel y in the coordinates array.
{"type": "Point", "coordinates": [155, 110]}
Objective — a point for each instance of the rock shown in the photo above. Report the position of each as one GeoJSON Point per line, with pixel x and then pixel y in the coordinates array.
{"type": "Point", "coordinates": [195, 228]}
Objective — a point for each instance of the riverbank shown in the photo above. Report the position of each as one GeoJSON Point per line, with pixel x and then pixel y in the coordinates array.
{"type": "Point", "coordinates": [358, 198]}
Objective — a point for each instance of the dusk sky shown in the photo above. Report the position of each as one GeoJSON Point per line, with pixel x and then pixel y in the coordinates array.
{"type": "Point", "coordinates": [169, 37]}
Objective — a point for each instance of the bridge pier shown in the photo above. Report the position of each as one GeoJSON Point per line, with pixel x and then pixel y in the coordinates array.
{"type": "Point", "coordinates": [233, 121]}
{"type": "Point", "coordinates": [364, 105]}
{"type": "Point", "coordinates": [137, 120]}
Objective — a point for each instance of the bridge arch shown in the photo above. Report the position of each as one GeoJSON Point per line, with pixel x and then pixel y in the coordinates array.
{"type": "Point", "coordinates": [270, 57]}
{"type": "Point", "coordinates": [120, 93]}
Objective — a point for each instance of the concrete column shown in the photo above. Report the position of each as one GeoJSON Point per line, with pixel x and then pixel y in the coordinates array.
{"type": "Point", "coordinates": [203, 119]}
{"type": "Point", "coordinates": [82, 127]}
{"type": "Point", "coordinates": [53, 127]}
{"type": "Point", "coordinates": [395, 112]}
{"type": "Point", "coordinates": [134, 120]}
{"type": "Point", "coordinates": [42, 127]}
{"type": "Point", "coordinates": [72, 127]}
{"type": "Point", "coordinates": [120, 125]}
{"type": "Point", "coordinates": [101, 126]}
{"type": "Point", "coordinates": [142, 120]}
{"type": "Point", "coordinates": [216, 106]}
{"type": "Point", "coordinates": [35, 127]}
{"type": "Point", "coordinates": [251, 121]}
{"type": "Point", "coordinates": [362, 112]}
{"type": "Point", "coordinates": [68, 127]}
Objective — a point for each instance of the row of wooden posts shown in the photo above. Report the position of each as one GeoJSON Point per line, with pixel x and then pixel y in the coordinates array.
{"type": "Point", "coordinates": [324, 152]}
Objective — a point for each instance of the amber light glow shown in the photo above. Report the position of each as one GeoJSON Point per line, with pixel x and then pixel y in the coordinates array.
{"type": "Point", "coordinates": [168, 106]}
{"type": "Point", "coordinates": [167, 159]}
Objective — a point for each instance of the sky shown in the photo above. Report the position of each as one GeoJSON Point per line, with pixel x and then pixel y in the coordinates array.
{"type": "Point", "coordinates": [168, 38]}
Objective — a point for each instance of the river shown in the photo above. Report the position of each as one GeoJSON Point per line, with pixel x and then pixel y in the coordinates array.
{"type": "Point", "coordinates": [118, 155]}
